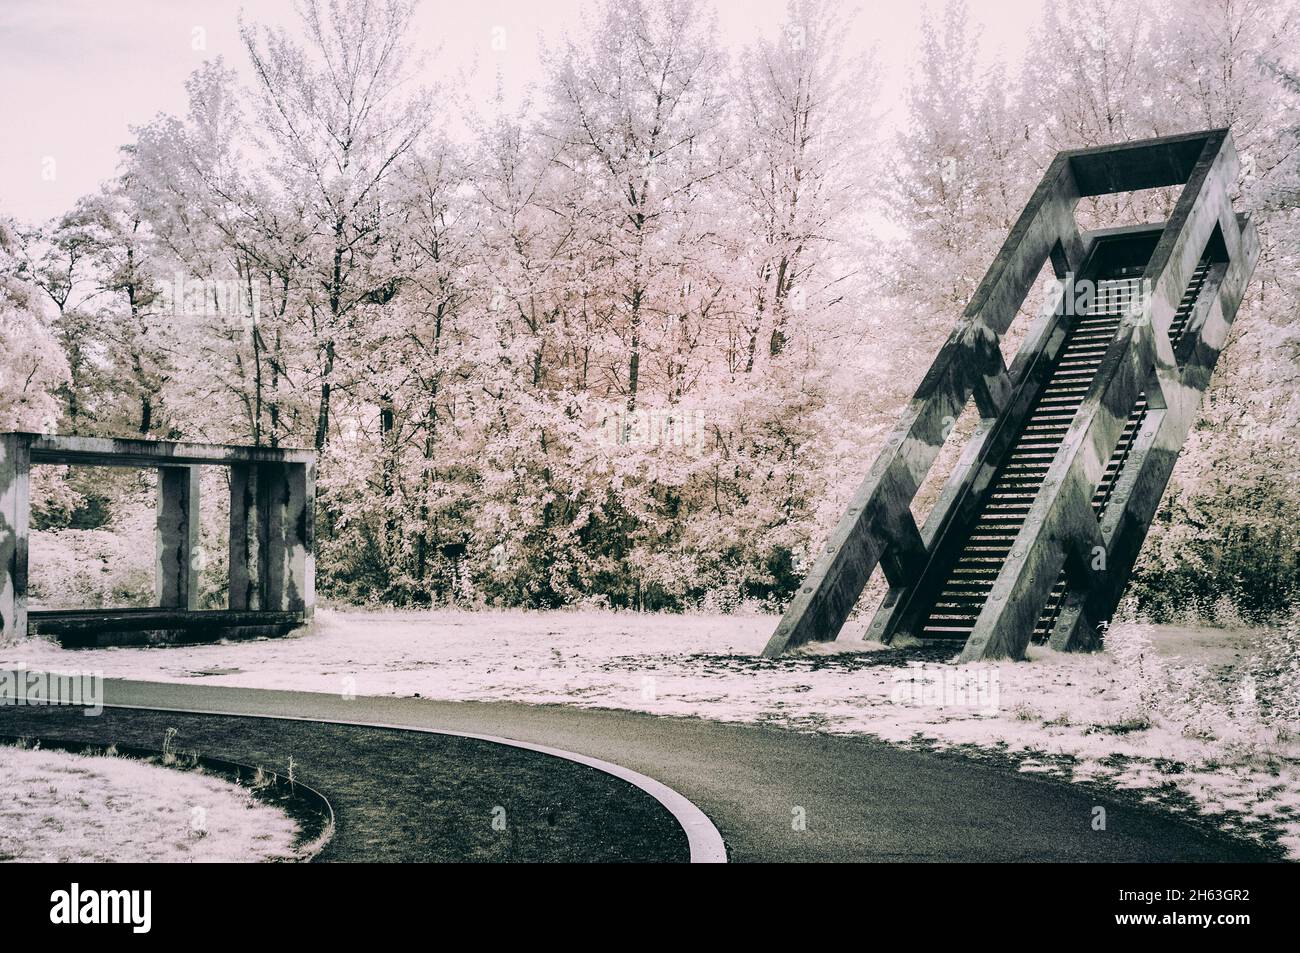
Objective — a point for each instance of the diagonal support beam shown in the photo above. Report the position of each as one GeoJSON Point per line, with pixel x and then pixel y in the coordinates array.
{"type": "Point", "coordinates": [878, 524]}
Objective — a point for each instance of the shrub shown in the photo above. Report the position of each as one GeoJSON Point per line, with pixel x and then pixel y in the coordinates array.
{"type": "Point", "coordinates": [1274, 671]}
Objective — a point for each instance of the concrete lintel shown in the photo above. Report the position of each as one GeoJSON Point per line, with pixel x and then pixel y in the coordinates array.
{"type": "Point", "coordinates": [1144, 164]}
{"type": "Point", "coordinates": [111, 451]}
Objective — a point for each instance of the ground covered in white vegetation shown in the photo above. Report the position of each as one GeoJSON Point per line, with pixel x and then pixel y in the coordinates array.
{"type": "Point", "coordinates": [72, 808]}
{"type": "Point", "coordinates": [1197, 719]}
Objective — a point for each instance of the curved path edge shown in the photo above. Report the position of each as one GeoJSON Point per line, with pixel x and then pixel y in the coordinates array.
{"type": "Point", "coordinates": [866, 800]}
{"type": "Point", "coordinates": [704, 839]}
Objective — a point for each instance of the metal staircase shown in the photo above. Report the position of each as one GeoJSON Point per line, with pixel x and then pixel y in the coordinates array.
{"type": "Point", "coordinates": [1036, 531]}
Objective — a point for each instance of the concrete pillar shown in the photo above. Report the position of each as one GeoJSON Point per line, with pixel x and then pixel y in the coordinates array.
{"type": "Point", "coordinates": [176, 572]}
{"type": "Point", "coordinates": [303, 555]}
{"type": "Point", "coordinates": [291, 571]}
{"type": "Point", "coordinates": [15, 469]}
{"type": "Point", "coordinates": [273, 537]}
{"type": "Point", "coordinates": [248, 536]}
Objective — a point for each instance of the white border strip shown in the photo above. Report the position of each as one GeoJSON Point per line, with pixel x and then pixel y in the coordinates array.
{"type": "Point", "coordinates": [707, 846]}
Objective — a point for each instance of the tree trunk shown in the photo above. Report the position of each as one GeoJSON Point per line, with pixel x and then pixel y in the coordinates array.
{"type": "Point", "coordinates": [323, 411]}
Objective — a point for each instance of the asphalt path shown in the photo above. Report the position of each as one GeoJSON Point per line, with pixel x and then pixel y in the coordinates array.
{"type": "Point", "coordinates": [778, 795]}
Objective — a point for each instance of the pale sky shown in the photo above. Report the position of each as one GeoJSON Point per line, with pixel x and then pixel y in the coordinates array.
{"type": "Point", "coordinates": [77, 74]}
